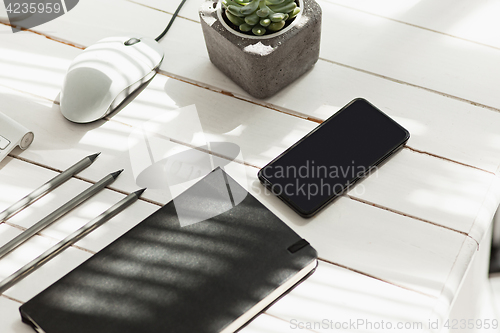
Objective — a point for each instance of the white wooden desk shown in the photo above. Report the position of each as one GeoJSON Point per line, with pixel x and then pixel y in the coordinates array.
{"type": "Point", "coordinates": [396, 249]}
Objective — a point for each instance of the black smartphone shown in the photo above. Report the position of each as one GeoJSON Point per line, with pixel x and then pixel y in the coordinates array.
{"type": "Point", "coordinates": [329, 160]}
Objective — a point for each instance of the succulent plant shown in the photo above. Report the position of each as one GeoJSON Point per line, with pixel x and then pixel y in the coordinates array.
{"type": "Point", "coordinates": [260, 16]}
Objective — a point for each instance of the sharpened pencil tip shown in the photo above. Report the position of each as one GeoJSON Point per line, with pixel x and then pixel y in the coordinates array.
{"type": "Point", "coordinates": [93, 157]}
{"type": "Point", "coordinates": [116, 173]}
{"type": "Point", "coordinates": [140, 192]}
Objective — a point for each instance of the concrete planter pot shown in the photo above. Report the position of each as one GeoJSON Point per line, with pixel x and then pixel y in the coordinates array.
{"type": "Point", "coordinates": [263, 65]}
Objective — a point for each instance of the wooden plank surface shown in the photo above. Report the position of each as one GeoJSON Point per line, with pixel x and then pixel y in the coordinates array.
{"type": "Point", "coordinates": [353, 299]}
{"type": "Point", "coordinates": [411, 55]}
{"type": "Point", "coordinates": [475, 21]}
{"type": "Point", "coordinates": [395, 248]}
{"type": "Point", "coordinates": [427, 115]}
{"type": "Point", "coordinates": [403, 186]}
{"type": "Point", "coordinates": [417, 260]}
{"type": "Point", "coordinates": [419, 111]}
{"type": "Point", "coordinates": [410, 184]}
{"type": "Point", "coordinates": [10, 320]}
{"type": "Point", "coordinates": [385, 228]}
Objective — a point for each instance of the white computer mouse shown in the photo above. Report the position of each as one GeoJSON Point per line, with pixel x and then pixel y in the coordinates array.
{"type": "Point", "coordinates": [105, 74]}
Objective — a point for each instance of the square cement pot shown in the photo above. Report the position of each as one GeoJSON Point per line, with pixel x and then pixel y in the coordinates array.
{"type": "Point", "coordinates": [263, 65]}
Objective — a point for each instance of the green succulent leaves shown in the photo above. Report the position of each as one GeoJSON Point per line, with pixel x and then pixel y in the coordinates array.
{"type": "Point", "coordinates": [260, 16]}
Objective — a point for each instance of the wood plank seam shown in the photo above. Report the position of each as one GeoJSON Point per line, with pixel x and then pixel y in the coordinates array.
{"type": "Point", "coordinates": [403, 214]}
{"type": "Point", "coordinates": [160, 10]}
{"type": "Point", "coordinates": [286, 321]}
{"type": "Point", "coordinates": [412, 25]}
{"type": "Point", "coordinates": [484, 106]}
{"type": "Point", "coordinates": [29, 93]}
{"type": "Point", "coordinates": [376, 278]}
{"type": "Point", "coordinates": [241, 98]}
{"type": "Point", "coordinates": [12, 298]}
{"type": "Point", "coordinates": [208, 151]}
{"type": "Point", "coordinates": [59, 40]}
{"type": "Point", "coordinates": [446, 159]}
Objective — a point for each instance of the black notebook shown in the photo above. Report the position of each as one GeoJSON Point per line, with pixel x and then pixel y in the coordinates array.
{"type": "Point", "coordinates": [208, 261]}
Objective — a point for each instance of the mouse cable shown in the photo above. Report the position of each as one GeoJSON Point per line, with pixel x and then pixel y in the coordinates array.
{"type": "Point", "coordinates": [171, 21]}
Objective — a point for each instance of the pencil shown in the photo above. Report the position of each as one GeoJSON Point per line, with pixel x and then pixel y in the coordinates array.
{"type": "Point", "coordinates": [58, 213]}
{"type": "Point", "coordinates": [47, 187]}
{"type": "Point", "coordinates": [68, 241]}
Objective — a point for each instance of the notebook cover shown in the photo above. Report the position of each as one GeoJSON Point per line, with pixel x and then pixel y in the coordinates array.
{"type": "Point", "coordinates": [195, 265]}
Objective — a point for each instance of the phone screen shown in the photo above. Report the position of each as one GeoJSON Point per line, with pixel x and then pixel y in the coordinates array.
{"type": "Point", "coordinates": [331, 158]}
